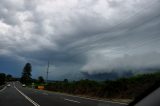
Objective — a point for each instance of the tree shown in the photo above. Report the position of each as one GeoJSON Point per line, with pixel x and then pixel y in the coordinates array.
{"type": "Point", "coordinates": [40, 79]}
{"type": "Point", "coordinates": [2, 78]}
{"type": "Point", "coordinates": [65, 80]}
{"type": "Point", "coordinates": [9, 77]}
{"type": "Point", "coordinates": [26, 74]}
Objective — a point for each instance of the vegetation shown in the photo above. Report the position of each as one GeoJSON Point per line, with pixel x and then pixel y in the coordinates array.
{"type": "Point", "coordinates": [2, 78]}
{"type": "Point", "coordinates": [123, 88]}
{"type": "Point", "coordinates": [26, 74]}
{"type": "Point", "coordinates": [40, 79]}
{"type": "Point", "coordinates": [6, 78]}
{"type": "Point", "coordinates": [9, 77]}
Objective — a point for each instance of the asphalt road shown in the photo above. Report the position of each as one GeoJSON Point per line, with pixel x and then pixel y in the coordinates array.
{"type": "Point", "coordinates": [16, 95]}
{"type": "Point", "coordinates": [152, 99]}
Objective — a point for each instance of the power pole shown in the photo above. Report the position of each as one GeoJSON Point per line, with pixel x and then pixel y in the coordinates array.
{"type": "Point", "coordinates": [47, 73]}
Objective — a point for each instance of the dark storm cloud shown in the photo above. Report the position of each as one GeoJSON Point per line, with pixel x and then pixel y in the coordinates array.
{"type": "Point", "coordinates": [91, 36]}
{"type": "Point", "coordinates": [10, 65]}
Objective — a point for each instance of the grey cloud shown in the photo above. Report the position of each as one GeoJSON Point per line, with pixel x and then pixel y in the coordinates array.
{"type": "Point", "coordinates": [125, 63]}
{"type": "Point", "coordinates": [77, 36]}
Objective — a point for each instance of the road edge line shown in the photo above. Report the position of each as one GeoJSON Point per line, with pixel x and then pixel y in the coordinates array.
{"type": "Point", "coordinates": [29, 99]}
{"type": "Point", "coordinates": [3, 89]}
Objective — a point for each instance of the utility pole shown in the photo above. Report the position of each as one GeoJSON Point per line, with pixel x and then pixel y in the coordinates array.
{"type": "Point", "coordinates": [47, 73]}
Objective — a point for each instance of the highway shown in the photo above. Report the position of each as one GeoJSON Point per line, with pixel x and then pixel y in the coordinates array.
{"type": "Point", "coordinates": [16, 95]}
{"type": "Point", "coordinates": [152, 99]}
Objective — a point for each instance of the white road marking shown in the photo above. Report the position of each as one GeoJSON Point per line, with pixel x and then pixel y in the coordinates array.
{"type": "Point", "coordinates": [45, 93]}
{"type": "Point", "coordinates": [107, 101]}
{"type": "Point", "coordinates": [92, 99]}
{"type": "Point", "coordinates": [71, 100]}
{"type": "Point", "coordinates": [30, 100]}
{"type": "Point", "coordinates": [3, 89]}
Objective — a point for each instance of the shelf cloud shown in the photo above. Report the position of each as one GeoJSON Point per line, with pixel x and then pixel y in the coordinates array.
{"type": "Point", "coordinates": [91, 36]}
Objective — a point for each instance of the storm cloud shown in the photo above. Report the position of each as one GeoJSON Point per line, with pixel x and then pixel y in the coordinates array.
{"type": "Point", "coordinates": [79, 36]}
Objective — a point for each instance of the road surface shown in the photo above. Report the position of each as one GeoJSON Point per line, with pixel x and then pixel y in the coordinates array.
{"type": "Point", "coordinates": [16, 95]}
{"type": "Point", "coordinates": [152, 99]}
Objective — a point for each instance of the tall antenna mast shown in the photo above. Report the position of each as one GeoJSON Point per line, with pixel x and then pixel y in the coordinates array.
{"type": "Point", "coordinates": [47, 73]}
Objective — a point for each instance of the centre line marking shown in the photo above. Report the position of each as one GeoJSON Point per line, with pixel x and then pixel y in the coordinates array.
{"type": "Point", "coordinates": [71, 100]}
{"type": "Point", "coordinates": [45, 94]}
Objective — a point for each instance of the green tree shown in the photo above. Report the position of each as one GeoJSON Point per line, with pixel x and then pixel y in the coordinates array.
{"type": "Point", "coordinates": [2, 78]}
{"type": "Point", "coordinates": [9, 77]}
{"type": "Point", "coordinates": [40, 79]}
{"type": "Point", "coordinates": [26, 74]}
{"type": "Point", "coordinates": [65, 80]}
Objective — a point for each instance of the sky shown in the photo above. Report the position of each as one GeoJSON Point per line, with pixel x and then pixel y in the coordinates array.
{"type": "Point", "coordinates": [79, 38]}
